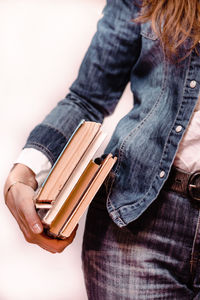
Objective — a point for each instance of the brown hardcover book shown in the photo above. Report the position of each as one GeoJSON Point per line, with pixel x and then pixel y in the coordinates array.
{"type": "Point", "coordinates": [73, 181]}
{"type": "Point", "coordinates": [70, 205]}
{"type": "Point", "coordinates": [71, 155]}
{"type": "Point", "coordinates": [87, 197]}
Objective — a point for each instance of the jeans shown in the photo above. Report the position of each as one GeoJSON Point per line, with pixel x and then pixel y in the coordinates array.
{"type": "Point", "coordinates": [154, 257]}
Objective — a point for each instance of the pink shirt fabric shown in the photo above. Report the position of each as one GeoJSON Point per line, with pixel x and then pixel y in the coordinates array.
{"type": "Point", "coordinates": [188, 154]}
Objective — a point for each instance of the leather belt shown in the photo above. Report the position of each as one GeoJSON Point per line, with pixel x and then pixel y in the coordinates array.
{"type": "Point", "coordinates": [184, 183]}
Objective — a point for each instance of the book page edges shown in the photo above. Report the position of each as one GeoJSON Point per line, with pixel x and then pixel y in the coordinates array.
{"type": "Point", "coordinates": [71, 159]}
{"type": "Point", "coordinates": [78, 191]}
{"type": "Point", "coordinates": [87, 197]}
{"type": "Point", "coordinates": [50, 188]}
{"type": "Point", "coordinates": [67, 189]}
{"type": "Point", "coordinates": [37, 197]}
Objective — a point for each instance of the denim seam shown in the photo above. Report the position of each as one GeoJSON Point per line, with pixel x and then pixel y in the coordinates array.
{"type": "Point", "coordinates": [193, 260]}
{"type": "Point", "coordinates": [54, 128]}
{"type": "Point", "coordinates": [121, 152]}
{"type": "Point", "coordinates": [140, 203]}
{"type": "Point", "coordinates": [151, 36]}
{"type": "Point", "coordinates": [41, 147]}
{"type": "Point", "coordinates": [168, 143]}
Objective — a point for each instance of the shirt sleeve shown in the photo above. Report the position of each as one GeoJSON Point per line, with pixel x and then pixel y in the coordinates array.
{"type": "Point", "coordinates": [102, 78]}
{"type": "Point", "coordinates": [37, 162]}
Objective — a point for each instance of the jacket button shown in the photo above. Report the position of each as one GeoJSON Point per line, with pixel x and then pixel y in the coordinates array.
{"type": "Point", "coordinates": [162, 174]}
{"type": "Point", "coordinates": [193, 84]}
{"type": "Point", "coordinates": [179, 128]}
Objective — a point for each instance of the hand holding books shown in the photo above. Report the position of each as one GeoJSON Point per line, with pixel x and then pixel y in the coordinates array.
{"type": "Point", "coordinates": [66, 193]}
{"type": "Point", "coordinates": [19, 200]}
{"type": "Point", "coordinates": [73, 181]}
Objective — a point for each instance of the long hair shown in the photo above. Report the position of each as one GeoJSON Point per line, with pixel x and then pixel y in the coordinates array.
{"type": "Point", "coordinates": [174, 21]}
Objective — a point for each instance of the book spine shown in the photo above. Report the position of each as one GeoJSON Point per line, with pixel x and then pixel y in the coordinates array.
{"type": "Point", "coordinates": [75, 216]}
{"type": "Point", "coordinates": [56, 206]}
{"type": "Point", "coordinates": [71, 202]}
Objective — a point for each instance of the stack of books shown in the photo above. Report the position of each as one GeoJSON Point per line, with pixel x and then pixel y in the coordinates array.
{"type": "Point", "coordinates": [73, 181]}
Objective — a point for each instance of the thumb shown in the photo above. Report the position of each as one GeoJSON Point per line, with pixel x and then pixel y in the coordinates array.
{"type": "Point", "coordinates": [28, 211]}
{"type": "Point", "coordinates": [32, 219]}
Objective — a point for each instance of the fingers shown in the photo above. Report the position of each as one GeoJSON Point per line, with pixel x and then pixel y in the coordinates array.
{"type": "Point", "coordinates": [21, 205]}
{"type": "Point", "coordinates": [26, 210]}
{"type": "Point", "coordinates": [20, 202]}
{"type": "Point", "coordinates": [47, 243]}
{"type": "Point", "coordinates": [54, 245]}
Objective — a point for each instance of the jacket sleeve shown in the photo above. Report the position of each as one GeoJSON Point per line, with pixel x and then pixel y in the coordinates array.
{"type": "Point", "coordinates": [101, 80]}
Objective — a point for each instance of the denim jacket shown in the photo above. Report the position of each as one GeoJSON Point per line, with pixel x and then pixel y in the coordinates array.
{"type": "Point", "coordinates": [146, 139]}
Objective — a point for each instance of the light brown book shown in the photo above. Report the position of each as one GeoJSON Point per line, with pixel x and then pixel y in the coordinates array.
{"type": "Point", "coordinates": [71, 155]}
{"type": "Point", "coordinates": [70, 179]}
{"type": "Point", "coordinates": [84, 201]}
{"type": "Point", "coordinates": [73, 181]}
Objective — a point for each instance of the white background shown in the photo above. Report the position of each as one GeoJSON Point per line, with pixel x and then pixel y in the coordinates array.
{"type": "Point", "coordinates": [42, 44]}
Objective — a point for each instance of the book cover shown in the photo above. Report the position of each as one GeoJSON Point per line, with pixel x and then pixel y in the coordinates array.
{"type": "Point", "coordinates": [73, 181]}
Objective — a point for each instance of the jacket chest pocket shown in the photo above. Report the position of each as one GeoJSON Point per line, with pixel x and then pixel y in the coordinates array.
{"type": "Point", "coordinates": [151, 47]}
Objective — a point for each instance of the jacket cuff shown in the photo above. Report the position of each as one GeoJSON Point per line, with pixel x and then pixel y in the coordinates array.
{"type": "Point", "coordinates": [48, 140]}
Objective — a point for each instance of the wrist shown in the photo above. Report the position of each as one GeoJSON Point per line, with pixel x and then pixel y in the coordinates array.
{"type": "Point", "coordinates": [22, 174]}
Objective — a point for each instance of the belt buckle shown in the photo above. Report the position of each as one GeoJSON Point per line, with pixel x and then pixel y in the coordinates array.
{"type": "Point", "coordinates": [192, 186]}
